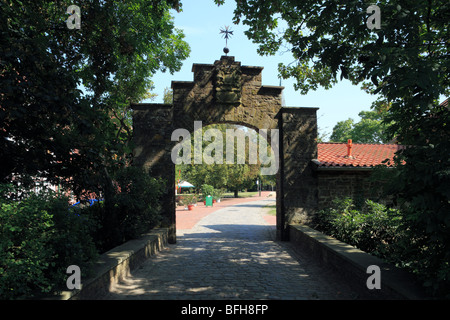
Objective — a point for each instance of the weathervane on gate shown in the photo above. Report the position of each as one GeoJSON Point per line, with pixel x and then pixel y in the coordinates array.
{"type": "Point", "coordinates": [227, 34]}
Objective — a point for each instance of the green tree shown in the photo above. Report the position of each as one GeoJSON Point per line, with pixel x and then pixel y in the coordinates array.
{"type": "Point", "coordinates": [39, 239]}
{"type": "Point", "coordinates": [242, 176]}
{"type": "Point", "coordinates": [269, 180]}
{"type": "Point", "coordinates": [330, 40]}
{"type": "Point", "coordinates": [407, 63]}
{"type": "Point", "coordinates": [168, 96]}
{"type": "Point", "coordinates": [234, 176]}
{"type": "Point", "coordinates": [370, 129]}
{"type": "Point", "coordinates": [342, 131]}
{"type": "Point", "coordinates": [65, 93]}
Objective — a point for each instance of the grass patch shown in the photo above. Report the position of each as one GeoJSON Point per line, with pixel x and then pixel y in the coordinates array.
{"type": "Point", "coordinates": [240, 194]}
{"type": "Point", "coordinates": [273, 209]}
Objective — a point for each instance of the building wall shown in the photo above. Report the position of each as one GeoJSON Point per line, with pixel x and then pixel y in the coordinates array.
{"type": "Point", "coordinates": [355, 184]}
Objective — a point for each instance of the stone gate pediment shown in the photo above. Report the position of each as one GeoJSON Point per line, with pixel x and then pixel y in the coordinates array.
{"type": "Point", "coordinates": [226, 91]}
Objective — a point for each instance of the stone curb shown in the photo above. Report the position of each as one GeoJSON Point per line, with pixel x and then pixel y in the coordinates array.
{"type": "Point", "coordinates": [351, 264]}
{"type": "Point", "coordinates": [114, 265]}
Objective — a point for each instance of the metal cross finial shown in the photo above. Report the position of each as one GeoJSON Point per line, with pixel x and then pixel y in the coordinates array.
{"type": "Point", "coordinates": [227, 34]}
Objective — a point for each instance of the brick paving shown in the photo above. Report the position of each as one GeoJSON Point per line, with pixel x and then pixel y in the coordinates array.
{"type": "Point", "coordinates": [186, 219]}
{"type": "Point", "coordinates": [229, 252]}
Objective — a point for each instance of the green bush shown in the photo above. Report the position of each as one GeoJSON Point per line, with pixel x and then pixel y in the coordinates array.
{"type": "Point", "coordinates": [207, 190]}
{"type": "Point", "coordinates": [394, 236]}
{"type": "Point", "coordinates": [187, 199]}
{"type": "Point", "coordinates": [132, 209]}
{"type": "Point", "coordinates": [40, 236]}
{"type": "Point", "coordinates": [137, 201]}
{"type": "Point", "coordinates": [374, 229]}
{"type": "Point", "coordinates": [39, 239]}
{"type": "Point", "coordinates": [218, 194]}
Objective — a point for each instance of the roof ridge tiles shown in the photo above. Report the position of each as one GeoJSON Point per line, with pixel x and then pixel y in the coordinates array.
{"type": "Point", "coordinates": [364, 155]}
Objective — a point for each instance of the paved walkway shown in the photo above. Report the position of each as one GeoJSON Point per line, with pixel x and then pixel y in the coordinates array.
{"type": "Point", "coordinates": [187, 219]}
{"type": "Point", "coordinates": [230, 253]}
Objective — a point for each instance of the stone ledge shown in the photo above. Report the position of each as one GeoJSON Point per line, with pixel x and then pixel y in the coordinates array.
{"type": "Point", "coordinates": [117, 263]}
{"type": "Point", "coordinates": [351, 263]}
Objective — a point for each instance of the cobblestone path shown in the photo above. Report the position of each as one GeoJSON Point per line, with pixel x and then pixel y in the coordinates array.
{"type": "Point", "coordinates": [230, 254]}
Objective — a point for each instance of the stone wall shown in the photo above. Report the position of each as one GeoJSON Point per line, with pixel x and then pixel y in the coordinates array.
{"type": "Point", "coordinates": [350, 264]}
{"type": "Point", "coordinates": [152, 131]}
{"type": "Point", "coordinates": [341, 183]}
{"type": "Point", "coordinates": [117, 264]}
{"type": "Point", "coordinates": [298, 185]}
{"type": "Point", "coordinates": [226, 92]}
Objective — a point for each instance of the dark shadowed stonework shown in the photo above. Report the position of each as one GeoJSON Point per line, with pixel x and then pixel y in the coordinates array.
{"type": "Point", "coordinates": [226, 92]}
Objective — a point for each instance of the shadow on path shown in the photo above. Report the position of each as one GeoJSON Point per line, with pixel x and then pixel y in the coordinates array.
{"type": "Point", "coordinates": [235, 260]}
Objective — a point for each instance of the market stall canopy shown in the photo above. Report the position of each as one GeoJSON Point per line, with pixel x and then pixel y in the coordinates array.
{"type": "Point", "coordinates": [185, 184]}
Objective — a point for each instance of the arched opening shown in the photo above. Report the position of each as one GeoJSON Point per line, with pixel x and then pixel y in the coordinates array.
{"type": "Point", "coordinates": [224, 164]}
{"type": "Point", "coordinates": [226, 92]}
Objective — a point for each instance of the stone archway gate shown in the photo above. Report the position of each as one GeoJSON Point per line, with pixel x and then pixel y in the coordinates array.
{"type": "Point", "coordinates": [222, 92]}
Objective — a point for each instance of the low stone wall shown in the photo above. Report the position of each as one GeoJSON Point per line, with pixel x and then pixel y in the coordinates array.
{"type": "Point", "coordinates": [117, 263]}
{"type": "Point", "coordinates": [351, 264]}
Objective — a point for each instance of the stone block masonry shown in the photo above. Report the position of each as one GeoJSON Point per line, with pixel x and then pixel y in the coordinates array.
{"type": "Point", "coordinates": [298, 181]}
{"type": "Point", "coordinates": [354, 184]}
{"type": "Point", "coordinates": [352, 264]}
{"type": "Point", "coordinates": [227, 92]}
{"type": "Point", "coordinates": [116, 264]}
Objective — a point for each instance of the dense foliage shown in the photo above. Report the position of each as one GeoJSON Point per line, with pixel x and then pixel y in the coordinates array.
{"type": "Point", "coordinates": [386, 232]}
{"type": "Point", "coordinates": [134, 208]}
{"type": "Point", "coordinates": [39, 239]}
{"type": "Point", "coordinates": [40, 235]}
{"type": "Point", "coordinates": [65, 93]}
{"type": "Point", "coordinates": [64, 117]}
{"type": "Point", "coordinates": [406, 62]}
{"type": "Point", "coordinates": [373, 227]}
{"type": "Point", "coordinates": [370, 129]}
{"type": "Point", "coordinates": [422, 187]}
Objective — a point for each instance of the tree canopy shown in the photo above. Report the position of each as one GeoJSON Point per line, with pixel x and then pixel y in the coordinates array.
{"type": "Point", "coordinates": [65, 93]}
{"type": "Point", "coordinates": [406, 59]}
{"type": "Point", "coordinates": [370, 129]}
{"type": "Point", "coordinates": [219, 174]}
{"type": "Point", "coordinates": [407, 62]}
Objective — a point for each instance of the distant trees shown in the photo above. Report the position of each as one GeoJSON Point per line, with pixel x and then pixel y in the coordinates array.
{"type": "Point", "coordinates": [237, 176]}
{"type": "Point", "coordinates": [370, 129]}
{"type": "Point", "coordinates": [168, 96]}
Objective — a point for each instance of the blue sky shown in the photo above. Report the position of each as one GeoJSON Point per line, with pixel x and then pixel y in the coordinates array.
{"type": "Point", "coordinates": [202, 20]}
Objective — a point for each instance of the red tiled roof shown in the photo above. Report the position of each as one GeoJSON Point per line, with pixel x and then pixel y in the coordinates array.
{"type": "Point", "coordinates": [445, 103]}
{"type": "Point", "coordinates": [363, 155]}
